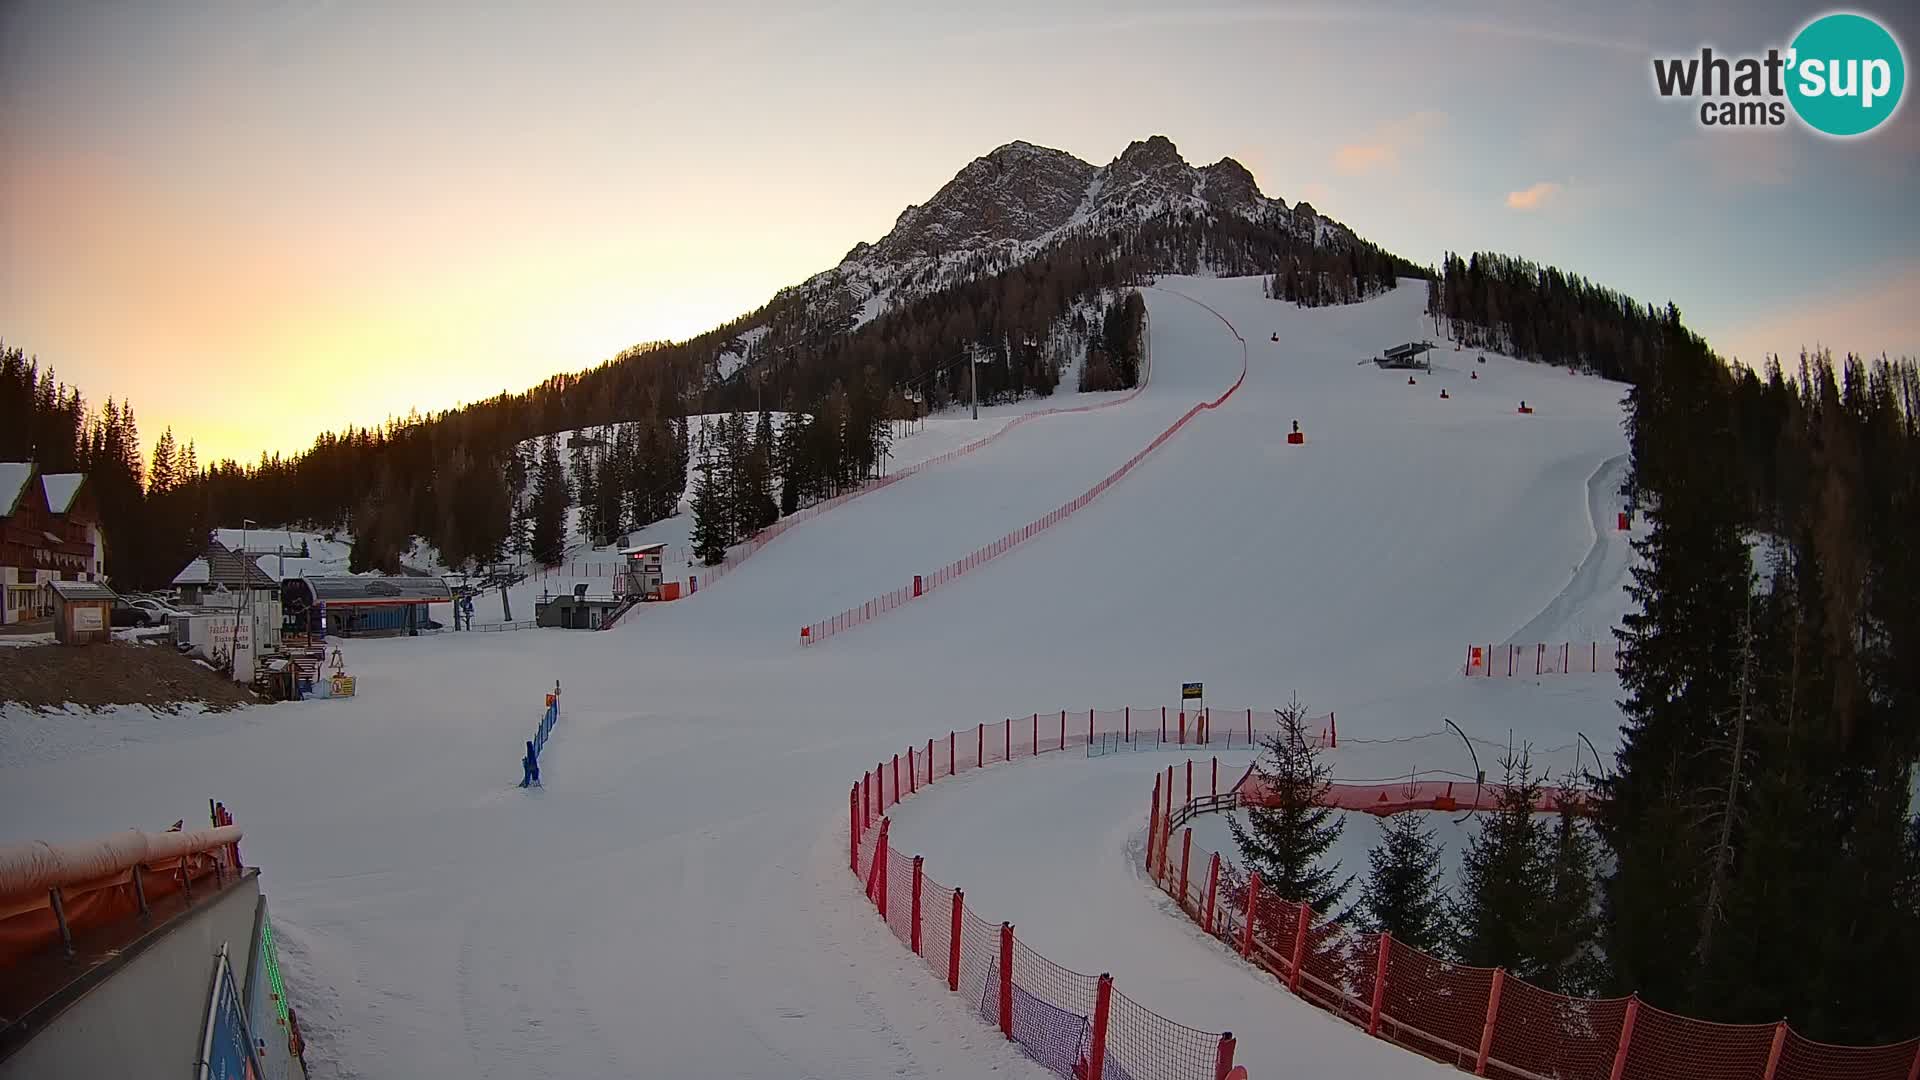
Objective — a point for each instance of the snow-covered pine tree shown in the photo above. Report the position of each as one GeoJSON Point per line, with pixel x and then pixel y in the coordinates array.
{"type": "Point", "coordinates": [1287, 841]}
{"type": "Point", "coordinates": [1402, 893]}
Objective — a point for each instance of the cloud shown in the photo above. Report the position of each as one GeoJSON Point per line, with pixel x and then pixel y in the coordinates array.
{"type": "Point", "coordinates": [1535, 197]}
{"type": "Point", "coordinates": [1380, 150]}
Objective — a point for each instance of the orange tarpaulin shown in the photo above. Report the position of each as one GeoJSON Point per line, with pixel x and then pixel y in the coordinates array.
{"type": "Point", "coordinates": [95, 880]}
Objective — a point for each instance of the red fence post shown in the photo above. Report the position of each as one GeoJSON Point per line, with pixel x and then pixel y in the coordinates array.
{"type": "Point", "coordinates": [1253, 911]}
{"type": "Point", "coordinates": [1126, 724]}
{"type": "Point", "coordinates": [1303, 918]}
{"type": "Point", "coordinates": [1006, 979]}
{"type": "Point", "coordinates": [1249, 727]}
{"type": "Point", "coordinates": [896, 777]}
{"type": "Point", "coordinates": [913, 774]}
{"type": "Point", "coordinates": [1223, 1061]}
{"type": "Point", "coordinates": [866, 802]}
{"type": "Point", "coordinates": [950, 757]}
{"type": "Point", "coordinates": [1773, 1053]}
{"type": "Point", "coordinates": [876, 881]}
{"type": "Point", "coordinates": [953, 940]}
{"type": "Point", "coordinates": [1036, 734]}
{"type": "Point", "coordinates": [1063, 729]}
{"type": "Point", "coordinates": [1215, 789]}
{"type": "Point", "coordinates": [1333, 731]}
{"type": "Point", "coordinates": [1493, 1017]}
{"type": "Point", "coordinates": [853, 829]}
{"type": "Point", "coordinates": [930, 766]}
{"type": "Point", "coordinates": [1183, 727]}
{"type": "Point", "coordinates": [1189, 781]}
{"type": "Point", "coordinates": [1153, 823]}
{"type": "Point", "coordinates": [917, 863]}
{"type": "Point", "coordinates": [1213, 888]}
{"type": "Point", "coordinates": [1186, 853]}
{"type": "Point", "coordinates": [980, 751]}
{"type": "Point", "coordinates": [1097, 1048]}
{"type": "Point", "coordinates": [1163, 724]}
{"type": "Point", "coordinates": [1009, 734]}
{"type": "Point", "coordinates": [1626, 1038]}
{"type": "Point", "coordinates": [1384, 943]}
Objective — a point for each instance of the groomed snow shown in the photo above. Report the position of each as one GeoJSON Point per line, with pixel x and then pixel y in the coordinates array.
{"type": "Point", "coordinates": [675, 901]}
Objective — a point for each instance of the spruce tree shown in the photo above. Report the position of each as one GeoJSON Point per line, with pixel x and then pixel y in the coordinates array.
{"type": "Point", "coordinates": [1504, 879]}
{"type": "Point", "coordinates": [1402, 894]}
{"type": "Point", "coordinates": [1569, 920]}
{"type": "Point", "coordinates": [787, 461]}
{"type": "Point", "coordinates": [550, 501]}
{"type": "Point", "coordinates": [1287, 840]}
{"type": "Point", "coordinates": [610, 494]}
{"type": "Point", "coordinates": [710, 535]}
{"type": "Point", "coordinates": [589, 488]}
{"type": "Point", "coordinates": [1680, 664]}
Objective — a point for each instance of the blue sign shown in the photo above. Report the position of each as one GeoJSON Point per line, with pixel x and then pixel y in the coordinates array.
{"type": "Point", "coordinates": [227, 1053]}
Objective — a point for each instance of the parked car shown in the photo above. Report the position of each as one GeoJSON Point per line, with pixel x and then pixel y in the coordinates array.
{"type": "Point", "coordinates": [157, 610]}
{"type": "Point", "coordinates": [126, 614]}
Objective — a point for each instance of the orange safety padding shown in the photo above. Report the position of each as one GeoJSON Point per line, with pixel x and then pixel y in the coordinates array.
{"type": "Point", "coordinates": [670, 590]}
{"type": "Point", "coordinates": [31, 927]}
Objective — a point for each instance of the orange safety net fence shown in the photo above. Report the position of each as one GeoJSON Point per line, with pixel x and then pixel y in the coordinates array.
{"type": "Point", "coordinates": [1485, 1021]}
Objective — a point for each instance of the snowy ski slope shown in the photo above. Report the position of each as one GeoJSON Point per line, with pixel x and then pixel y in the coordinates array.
{"type": "Point", "coordinates": [675, 901]}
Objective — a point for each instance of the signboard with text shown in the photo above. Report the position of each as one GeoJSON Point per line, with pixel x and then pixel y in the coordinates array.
{"type": "Point", "coordinates": [226, 1053]}
{"type": "Point", "coordinates": [1190, 692]}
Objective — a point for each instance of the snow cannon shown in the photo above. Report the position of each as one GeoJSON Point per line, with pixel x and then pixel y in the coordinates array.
{"type": "Point", "coordinates": [1276, 336]}
{"type": "Point", "coordinates": [1443, 394]}
{"type": "Point", "coordinates": [1296, 437]}
{"type": "Point", "coordinates": [1525, 409]}
{"type": "Point", "coordinates": [1410, 381]}
{"type": "Point", "coordinates": [1626, 521]}
{"type": "Point", "coordinates": [1476, 375]}
{"type": "Point", "coordinates": [1482, 360]}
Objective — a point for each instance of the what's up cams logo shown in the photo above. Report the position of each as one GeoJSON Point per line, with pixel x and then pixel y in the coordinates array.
{"type": "Point", "coordinates": [1843, 75]}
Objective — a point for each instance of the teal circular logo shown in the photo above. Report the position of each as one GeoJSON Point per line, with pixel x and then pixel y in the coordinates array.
{"type": "Point", "coordinates": [1845, 74]}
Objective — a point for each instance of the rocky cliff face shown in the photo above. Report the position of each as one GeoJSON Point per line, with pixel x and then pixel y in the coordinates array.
{"type": "Point", "coordinates": [1012, 204]}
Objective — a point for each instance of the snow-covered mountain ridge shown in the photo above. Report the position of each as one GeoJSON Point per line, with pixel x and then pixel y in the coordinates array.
{"type": "Point", "coordinates": [1006, 207]}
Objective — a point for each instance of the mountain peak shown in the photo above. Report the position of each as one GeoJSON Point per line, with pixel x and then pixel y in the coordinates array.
{"type": "Point", "coordinates": [1156, 150]}
{"type": "Point", "coordinates": [1007, 205]}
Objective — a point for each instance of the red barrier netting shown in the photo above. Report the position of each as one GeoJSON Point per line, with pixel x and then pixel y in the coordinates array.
{"type": "Point", "coordinates": [1143, 1044]}
{"type": "Point", "coordinates": [899, 871]}
{"type": "Point", "coordinates": [1804, 1059]}
{"type": "Point", "coordinates": [1434, 1006]}
{"type": "Point", "coordinates": [936, 925]}
{"type": "Point", "coordinates": [1539, 1033]}
{"type": "Point", "coordinates": [1337, 967]}
{"type": "Point", "coordinates": [1665, 1046]}
{"type": "Point", "coordinates": [979, 955]}
{"type": "Point", "coordinates": [855, 616]}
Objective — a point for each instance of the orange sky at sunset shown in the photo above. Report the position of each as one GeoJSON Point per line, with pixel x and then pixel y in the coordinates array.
{"type": "Point", "coordinates": [262, 222]}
